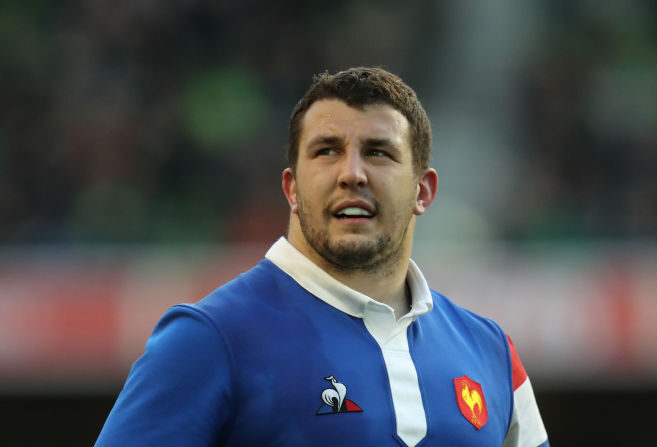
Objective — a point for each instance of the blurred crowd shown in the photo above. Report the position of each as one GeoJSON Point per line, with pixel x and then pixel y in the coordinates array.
{"type": "Point", "coordinates": [165, 122]}
{"type": "Point", "coordinates": [591, 107]}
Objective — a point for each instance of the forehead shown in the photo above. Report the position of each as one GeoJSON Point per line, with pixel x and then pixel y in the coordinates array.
{"type": "Point", "coordinates": [335, 118]}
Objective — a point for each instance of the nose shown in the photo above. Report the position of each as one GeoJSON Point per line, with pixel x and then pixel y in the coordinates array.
{"type": "Point", "coordinates": [352, 170]}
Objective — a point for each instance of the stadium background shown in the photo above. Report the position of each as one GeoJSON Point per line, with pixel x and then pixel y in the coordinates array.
{"type": "Point", "coordinates": [141, 145]}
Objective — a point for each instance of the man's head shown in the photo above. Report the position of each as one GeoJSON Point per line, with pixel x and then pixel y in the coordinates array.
{"type": "Point", "coordinates": [359, 87]}
{"type": "Point", "coordinates": [357, 176]}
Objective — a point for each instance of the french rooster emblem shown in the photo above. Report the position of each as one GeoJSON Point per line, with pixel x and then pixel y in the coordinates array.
{"type": "Point", "coordinates": [471, 401]}
{"type": "Point", "coordinates": [335, 401]}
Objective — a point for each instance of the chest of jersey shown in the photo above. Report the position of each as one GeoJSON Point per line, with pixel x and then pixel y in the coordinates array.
{"type": "Point", "coordinates": [312, 375]}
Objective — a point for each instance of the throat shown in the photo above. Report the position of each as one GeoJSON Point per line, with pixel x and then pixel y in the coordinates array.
{"type": "Point", "coordinates": [391, 290]}
{"type": "Point", "coordinates": [402, 306]}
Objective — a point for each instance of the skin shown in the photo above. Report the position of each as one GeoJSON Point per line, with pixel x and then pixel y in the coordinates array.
{"type": "Point", "coordinates": [351, 157]}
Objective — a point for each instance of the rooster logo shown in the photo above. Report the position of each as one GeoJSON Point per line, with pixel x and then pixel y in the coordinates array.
{"type": "Point", "coordinates": [470, 398]}
{"type": "Point", "coordinates": [334, 400]}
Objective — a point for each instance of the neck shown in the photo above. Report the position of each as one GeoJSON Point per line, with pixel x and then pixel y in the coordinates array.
{"type": "Point", "coordinates": [386, 284]}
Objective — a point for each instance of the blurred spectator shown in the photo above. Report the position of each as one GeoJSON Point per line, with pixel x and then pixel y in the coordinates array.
{"type": "Point", "coordinates": [152, 121]}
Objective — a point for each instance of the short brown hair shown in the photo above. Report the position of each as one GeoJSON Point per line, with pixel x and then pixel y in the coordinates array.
{"type": "Point", "coordinates": [359, 87]}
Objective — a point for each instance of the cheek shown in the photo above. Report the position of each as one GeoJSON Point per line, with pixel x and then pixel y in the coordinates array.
{"type": "Point", "coordinates": [314, 188]}
{"type": "Point", "coordinates": [306, 205]}
{"type": "Point", "coordinates": [400, 190]}
{"type": "Point", "coordinates": [404, 198]}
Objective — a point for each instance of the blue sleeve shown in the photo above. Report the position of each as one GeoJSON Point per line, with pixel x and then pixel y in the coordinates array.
{"type": "Point", "coordinates": [178, 392]}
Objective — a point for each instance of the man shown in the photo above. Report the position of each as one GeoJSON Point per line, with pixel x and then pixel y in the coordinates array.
{"type": "Point", "coordinates": [335, 338]}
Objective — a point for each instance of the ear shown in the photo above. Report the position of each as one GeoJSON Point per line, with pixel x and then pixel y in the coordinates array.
{"type": "Point", "coordinates": [290, 189]}
{"type": "Point", "coordinates": [427, 187]}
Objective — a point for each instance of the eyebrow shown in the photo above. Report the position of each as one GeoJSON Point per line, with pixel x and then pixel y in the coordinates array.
{"type": "Point", "coordinates": [322, 140]}
{"type": "Point", "coordinates": [377, 142]}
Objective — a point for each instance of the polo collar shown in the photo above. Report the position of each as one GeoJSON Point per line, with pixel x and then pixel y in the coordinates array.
{"type": "Point", "coordinates": [322, 285]}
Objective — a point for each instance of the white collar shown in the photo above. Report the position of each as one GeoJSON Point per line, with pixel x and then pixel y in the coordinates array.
{"type": "Point", "coordinates": [319, 283]}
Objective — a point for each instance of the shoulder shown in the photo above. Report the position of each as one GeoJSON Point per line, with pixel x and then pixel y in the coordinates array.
{"type": "Point", "coordinates": [482, 327]}
{"type": "Point", "coordinates": [183, 377]}
{"type": "Point", "coordinates": [477, 335]}
{"type": "Point", "coordinates": [260, 299]}
{"type": "Point", "coordinates": [246, 293]}
{"type": "Point", "coordinates": [466, 320]}
{"type": "Point", "coordinates": [184, 332]}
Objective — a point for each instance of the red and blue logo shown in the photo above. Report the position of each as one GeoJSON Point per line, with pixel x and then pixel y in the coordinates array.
{"type": "Point", "coordinates": [471, 401]}
{"type": "Point", "coordinates": [335, 401]}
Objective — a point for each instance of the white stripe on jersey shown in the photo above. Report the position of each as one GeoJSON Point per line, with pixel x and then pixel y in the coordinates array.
{"type": "Point", "coordinates": [527, 429]}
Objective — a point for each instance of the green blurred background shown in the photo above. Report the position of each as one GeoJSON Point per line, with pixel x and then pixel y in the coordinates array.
{"type": "Point", "coordinates": [141, 147]}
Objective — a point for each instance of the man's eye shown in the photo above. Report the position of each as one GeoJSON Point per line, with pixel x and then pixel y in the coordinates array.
{"type": "Point", "coordinates": [377, 153]}
{"type": "Point", "coordinates": [325, 151]}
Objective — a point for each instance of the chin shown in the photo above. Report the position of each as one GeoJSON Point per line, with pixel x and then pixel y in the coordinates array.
{"type": "Point", "coordinates": [355, 251]}
{"type": "Point", "coordinates": [355, 241]}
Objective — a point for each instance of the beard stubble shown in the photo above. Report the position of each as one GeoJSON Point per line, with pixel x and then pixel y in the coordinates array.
{"type": "Point", "coordinates": [379, 254]}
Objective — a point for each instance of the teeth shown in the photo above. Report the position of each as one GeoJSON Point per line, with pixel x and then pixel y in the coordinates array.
{"type": "Point", "coordinates": [354, 211]}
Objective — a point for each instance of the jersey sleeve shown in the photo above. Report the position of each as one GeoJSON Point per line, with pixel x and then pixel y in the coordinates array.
{"type": "Point", "coordinates": [526, 428]}
{"type": "Point", "coordinates": [178, 392]}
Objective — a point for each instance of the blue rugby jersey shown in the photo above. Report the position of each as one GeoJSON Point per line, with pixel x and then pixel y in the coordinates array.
{"type": "Point", "coordinates": [286, 355]}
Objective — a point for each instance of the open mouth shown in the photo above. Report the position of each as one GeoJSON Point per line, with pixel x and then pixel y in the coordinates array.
{"type": "Point", "coordinates": [353, 212]}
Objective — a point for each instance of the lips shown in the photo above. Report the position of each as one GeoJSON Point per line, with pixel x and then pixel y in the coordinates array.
{"type": "Point", "coordinates": [353, 209]}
